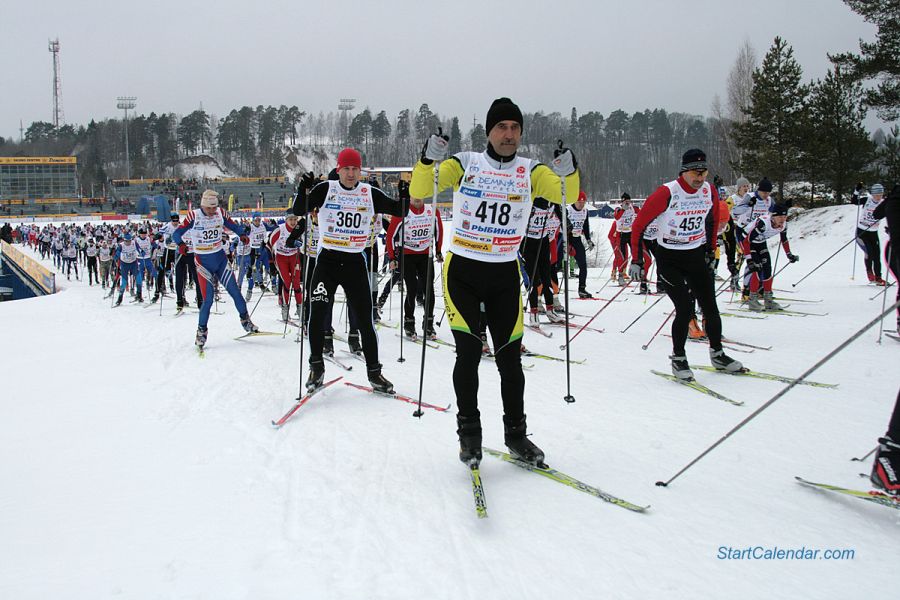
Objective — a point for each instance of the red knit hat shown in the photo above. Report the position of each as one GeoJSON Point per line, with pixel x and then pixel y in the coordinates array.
{"type": "Point", "coordinates": [349, 157]}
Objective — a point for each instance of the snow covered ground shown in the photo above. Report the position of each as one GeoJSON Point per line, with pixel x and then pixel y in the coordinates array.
{"type": "Point", "coordinates": [131, 468]}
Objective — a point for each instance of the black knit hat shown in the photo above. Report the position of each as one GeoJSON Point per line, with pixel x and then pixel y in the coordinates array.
{"type": "Point", "coordinates": [502, 109]}
{"type": "Point", "coordinates": [764, 185]}
{"type": "Point", "coordinates": [778, 209]}
{"type": "Point", "coordinates": [626, 196]}
{"type": "Point", "coordinates": [693, 160]}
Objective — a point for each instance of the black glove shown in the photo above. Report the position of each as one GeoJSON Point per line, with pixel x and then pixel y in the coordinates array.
{"type": "Point", "coordinates": [752, 201]}
{"type": "Point", "coordinates": [308, 180]}
{"type": "Point", "coordinates": [710, 259]}
{"type": "Point", "coordinates": [753, 266]}
{"type": "Point", "coordinates": [792, 257]}
{"type": "Point", "coordinates": [859, 186]}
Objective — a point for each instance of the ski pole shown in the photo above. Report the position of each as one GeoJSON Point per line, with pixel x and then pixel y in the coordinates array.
{"type": "Point", "coordinates": [655, 302]}
{"type": "Point", "coordinates": [883, 291]}
{"type": "Point", "coordinates": [400, 359]}
{"type": "Point", "coordinates": [883, 302]}
{"type": "Point", "coordinates": [867, 455]}
{"type": "Point", "coordinates": [602, 308]}
{"type": "Point", "coordinates": [855, 237]}
{"type": "Point", "coordinates": [823, 262]}
{"type": "Point", "coordinates": [669, 316]}
{"type": "Point", "coordinates": [564, 212]}
{"type": "Point", "coordinates": [784, 391]}
{"type": "Point", "coordinates": [429, 285]}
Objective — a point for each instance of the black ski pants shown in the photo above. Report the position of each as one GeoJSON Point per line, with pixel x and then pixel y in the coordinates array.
{"type": "Point", "coordinates": [685, 274]}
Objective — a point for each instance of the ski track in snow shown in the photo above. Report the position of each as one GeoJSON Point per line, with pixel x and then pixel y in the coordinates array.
{"type": "Point", "coordinates": [133, 469]}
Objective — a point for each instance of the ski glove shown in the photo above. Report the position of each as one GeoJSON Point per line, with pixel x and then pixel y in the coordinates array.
{"type": "Point", "coordinates": [435, 147]}
{"type": "Point", "coordinates": [710, 259]}
{"type": "Point", "coordinates": [636, 271]}
{"type": "Point", "coordinates": [590, 245]}
{"type": "Point", "coordinates": [792, 257]}
{"type": "Point", "coordinates": [182, 248]}
{"type": "Point", "coordinates": [245, 240]}
{"type": "Point", "coordinates": [564, 162]}
{"type": "Point", "coordinates": [308, 180]}
{"type": "Point", "coordinates": [753, 266]}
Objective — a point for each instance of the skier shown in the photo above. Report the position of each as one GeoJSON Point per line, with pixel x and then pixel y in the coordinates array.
{"type": "Point", "coordinates": [536, 252]}
{"type": "Point", "coordinates": [206, 225]}
{"type": "Point", "coordinates": [419, 234]}
{"type": "Point", "coordinates": [624, 218]}
{"type": "Point", "coordinates": [759, 263]}
{"type": "Point", "coordinates": [105, 255]}
{"type": "Point", "coordinates": [259, 254]}
{"type": "Point", "coordinates": [867, 231]}
{"type": "Point", "coordinates": [492, 196]}
{"type": "Point", "coordinates": [689, 216]}
{"type": "Point", "coordinates": [729, 236]}
{"type": "Point", "coordinates": [287, 260]}
{"type": "Point", "coordinates": [127, 254]}
{"type": "Point", "coordinates": [345, 222]}
{"type": "Point", "coordinates": [91, 252]}
{"type": "Point", "coordinates": [579, 225]}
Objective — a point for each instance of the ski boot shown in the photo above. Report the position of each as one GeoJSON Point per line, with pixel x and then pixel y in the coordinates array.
{"type": "Point", "coordinates": [140, 297]}
{"type": "Point", "coordinates": [469, 431]}
{"type": "Point", "coordinates": [155, 298]}
{"type": "Point", "coordinates": [768, 298]}
{"type": "Point", "coordinates": [886, 469]}
{"type": "Point", "coordinates": [621, 279]}
{"type": "Point", "coordinates": [353, 342]}
{"type": "Point", "coordinates": [409, 328]}
{"type": "Point", "coordinates": [695, 332]}
{"type": "Point", "coordinates": [376, 314]}
{"type": "Point", "coordinates": [519, 445]}
{"type": "Point", "coordinates": [753, 302]}
{"type": "Point", "coordinates": [557, 305]}
{"type": "Point", "coordinates": [533, 318]}
{"type": "Point", "coordinates": [285, 313]}
{"type": "Point", "coordinates": [248, 295]}
{"type": "Point", "coordinates": [119, 299]}
{"type": "Point", "coordinates": [200, 340]}
{"type": "Point", "coordinates": [378, 382]}
{"type": "Point", "coordinates": [680, 368]}
{"type": "Point", "coordinates": [644, 288]}
{"type": "Point", "coordinates": [723, 362]}
{"type": "Point", "coordinates": [428, 329]}
{"type": "Point", "coordinates": [316, 375]}
{"type": "Point", "coordinates": [248, 325]}
{"type": "Point", "coordinates": [880, 281]}
{"type": "Point", "coordinates": [328, 346]}
{"type": "Point", "coordinates": [554, 317]}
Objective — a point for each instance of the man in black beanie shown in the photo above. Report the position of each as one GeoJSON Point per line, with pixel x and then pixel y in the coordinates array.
{"type": "Point", "coordinates": [690, 217]}
{"type": "Point", "coordinates": [493, 192]}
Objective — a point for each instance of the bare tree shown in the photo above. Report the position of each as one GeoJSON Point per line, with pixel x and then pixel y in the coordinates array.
{"type": "Point", "coordinates": [739, 89]}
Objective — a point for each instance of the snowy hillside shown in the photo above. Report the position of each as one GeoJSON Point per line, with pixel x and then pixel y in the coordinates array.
{"type": "Point", "coordinates": [131, 468]}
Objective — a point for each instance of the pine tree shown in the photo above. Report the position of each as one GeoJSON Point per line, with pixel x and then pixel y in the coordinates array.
{"type": "Point", "coordinates": [771, 137]}
{"type": "Point", "coordinates": [880, 59]}
{"type": "Point", "coordinates": [455, 137]}
{"type": "Point", "coordinates": [478, 138]}
{"type": "Point", "coordinates": [838, 142]}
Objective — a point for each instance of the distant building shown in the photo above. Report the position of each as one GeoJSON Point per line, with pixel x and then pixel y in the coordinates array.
{"type": "Point", "coordinates": [38, 179]}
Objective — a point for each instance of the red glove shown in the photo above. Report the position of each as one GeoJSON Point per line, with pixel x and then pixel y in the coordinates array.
{"type": "Point", "coordinates": [245, 240]}
{"type": "Point", "coordinates": [182, 248]}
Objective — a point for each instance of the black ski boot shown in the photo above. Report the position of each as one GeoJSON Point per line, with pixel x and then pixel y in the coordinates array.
{"type": "Point", "coordinates": [328, 347]}
{"type": "Point", "coordinates": [316, 375]}
{"type": "Point", "coordinates": [248, 325]}
{"type": "Point", "coordinates": [379, 383]}
{"type": "Point", "coordinates": [886, 469]}
{"type": "Point", "coordinates": [680, 368]}
{"type": "Point", "coordinates": [469, 431]}
{"type": "Point", "coordinates": [519, 445]}
{"type": "Point", "coordinates": [140, 298]}
{"type": "Point", "coordinates": [200, 340]}
{"type": "Point", "coordinates": [428, 329]}
{"type": "Point", "coordinates": [723, 362]}
{"type": "Point", "coordinates": [119, 299]}
{"type": "Point", "coordinates": [409, 328]}
{"type": "Point", "coordinates": [583, 293]}
{"type": "Point", "coordinates": [155, 298]}
{"type": "Point", "coordinates": [353, 342]}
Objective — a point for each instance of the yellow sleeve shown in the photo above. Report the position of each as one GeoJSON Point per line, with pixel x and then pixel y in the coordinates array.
{"type": "Point", "coordinates": [546, 184]}
{"type": "Point", "coordinates": [422, 184]}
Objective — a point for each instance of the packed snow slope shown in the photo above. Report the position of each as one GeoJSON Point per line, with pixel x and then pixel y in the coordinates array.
{"type": "Point", "coordinates": [131, 468]}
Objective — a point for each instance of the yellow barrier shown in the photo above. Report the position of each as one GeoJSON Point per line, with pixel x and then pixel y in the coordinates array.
{"type": "Point", "coordinates": [39, 274]}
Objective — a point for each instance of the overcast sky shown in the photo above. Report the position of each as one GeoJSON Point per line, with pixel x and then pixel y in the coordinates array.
{"type": "Point", "coordinates": [456, 56]}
